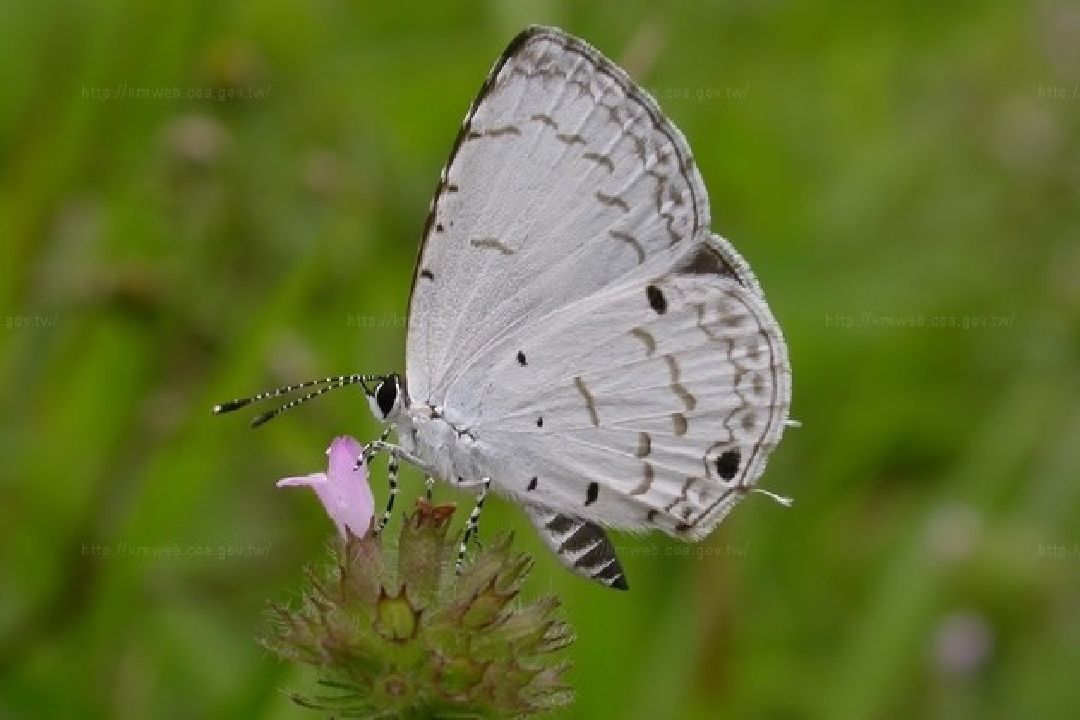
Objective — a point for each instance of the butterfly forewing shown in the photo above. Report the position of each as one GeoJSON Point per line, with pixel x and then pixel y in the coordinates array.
{"type": "Point", "coordinates": [565, 178]}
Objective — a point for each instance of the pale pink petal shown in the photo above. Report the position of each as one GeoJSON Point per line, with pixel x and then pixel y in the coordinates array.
{"type": "Point", "coordinates": [343, 452]}
{"type": "Point", "coordinates": [312, 480]}
{"type": "Point", "coordinates": [343, 490]}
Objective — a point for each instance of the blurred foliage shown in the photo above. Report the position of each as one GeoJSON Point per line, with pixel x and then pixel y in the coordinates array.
{"type": "Point", "coordinates": [200, 199]}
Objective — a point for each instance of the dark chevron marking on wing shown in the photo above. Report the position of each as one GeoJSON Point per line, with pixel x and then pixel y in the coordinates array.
{"type": "Point", "coordinates": [570, 139]}
{"type": "Point", "coordinates": [661, 180]}
{"type": "Point", "coordinates": [644, 445]}
{"type": "Point", "coordinates": [451, 188]}
{"type": "Point", "coordinates": [684, 495]}
{"type": "Point", "coordinates": [494, 132]}
{"type": "Point", "coordinates": [673, 368]}
{"type": "Point", "coordinates": [756, 448]}
{"type": "Point", "coordinates": [689, 400]}
{"type": "Point", "coordinates": [631, 241]}
{"type": "Point", "coordinates": [645, 337]}
{"type": "Point", "coordinates": [583, 87]}
{"type": "Point", "coordinates": [600, 159]}
{"type": "Point", "coordinates": [646, 481]}
{"type": "Point", "coordinates": [581, 546]}
{"type": "Point", "coordinates": [709, 333]}
{"type": "Point", "coordinates": [612, 201]}
{"type": "Point", "coordinates": [427, 274]}
{"type": "Point", "coordinates": [546, 119]}
{"type": "Point", "coordinates": [491, 243]}
{"type": "Point", "coordinates": [670, 226]}
{"type": "Point", "coordinates": [590, 403]}
{"type": "Point", "coordinates": [677, 387]}
{"type": "Point", "coordinates": [679, 424]}
{"type": "Point", "coordinates": [613, 113]}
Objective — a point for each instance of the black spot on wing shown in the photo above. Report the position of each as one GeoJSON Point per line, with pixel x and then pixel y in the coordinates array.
{"type": "Point", "coordinates": [591, 493]}
{"type": "Point", "coordinates": [656, 299]}
{"type": "Point", "coordinates": [728, 464]}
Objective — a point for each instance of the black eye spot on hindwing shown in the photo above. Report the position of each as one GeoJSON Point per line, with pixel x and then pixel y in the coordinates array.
{"type": "Point", "coordinates": [728, 464]}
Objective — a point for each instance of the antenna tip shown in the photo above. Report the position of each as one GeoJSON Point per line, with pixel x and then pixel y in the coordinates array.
{"type": "Point", "coordinates": [230, 406]}
{"type": "Point", "coordinates": [260, 419]}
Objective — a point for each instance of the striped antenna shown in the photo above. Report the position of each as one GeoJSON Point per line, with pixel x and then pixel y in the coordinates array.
{"type": "Point", "coordinates": [330, 383]}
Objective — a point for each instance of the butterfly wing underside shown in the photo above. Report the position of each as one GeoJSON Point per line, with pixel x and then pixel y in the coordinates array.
{"type": "Point", "coordinates": [572, 310]}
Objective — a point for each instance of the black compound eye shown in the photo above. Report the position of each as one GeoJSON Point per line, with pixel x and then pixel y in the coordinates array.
{"type": "Point", "coordinates": [386, 395]}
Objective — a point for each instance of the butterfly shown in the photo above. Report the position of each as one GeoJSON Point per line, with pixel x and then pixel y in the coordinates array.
{"type": "Point", "coordinates": [579, 340]}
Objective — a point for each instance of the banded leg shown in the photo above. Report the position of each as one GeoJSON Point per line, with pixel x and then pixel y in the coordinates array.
{"type": "Point", "coordinates": [375, 447]}
{"type": "Point", "coordinates": [392, 480]}
{"type": "Point", "coordinates": [391, 474]}
{"type": "Point", "coordinates": [472, 525]}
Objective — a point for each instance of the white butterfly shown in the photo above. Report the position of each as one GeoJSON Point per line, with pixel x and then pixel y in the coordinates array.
{"type": "Point", "coordinates": [578, 337]}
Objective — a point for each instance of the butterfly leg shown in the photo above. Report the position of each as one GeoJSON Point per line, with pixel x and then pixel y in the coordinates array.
{"type": "Point", "coordinates": [375, 447]}
{"type": "Point", "coordinates": [396, 454]}
{"type": "Point", "coordinates": [392, 475]}
{"type": "Point", "coordinates": [472, 525]}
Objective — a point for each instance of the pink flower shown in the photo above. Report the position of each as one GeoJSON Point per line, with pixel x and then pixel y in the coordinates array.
{"type": "Point", "coordinates": [343, 489]}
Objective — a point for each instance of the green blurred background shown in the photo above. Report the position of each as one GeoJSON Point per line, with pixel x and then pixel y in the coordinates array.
{"type": "Point", "coordinates": [201, 199]}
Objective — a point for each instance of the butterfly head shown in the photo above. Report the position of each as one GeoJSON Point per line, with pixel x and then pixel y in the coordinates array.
{"type": "Point", "coordinates": [387, 398]}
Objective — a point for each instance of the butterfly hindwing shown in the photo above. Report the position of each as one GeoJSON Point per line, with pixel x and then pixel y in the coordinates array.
{"type": "Point", "coordinates": [653, 403]}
